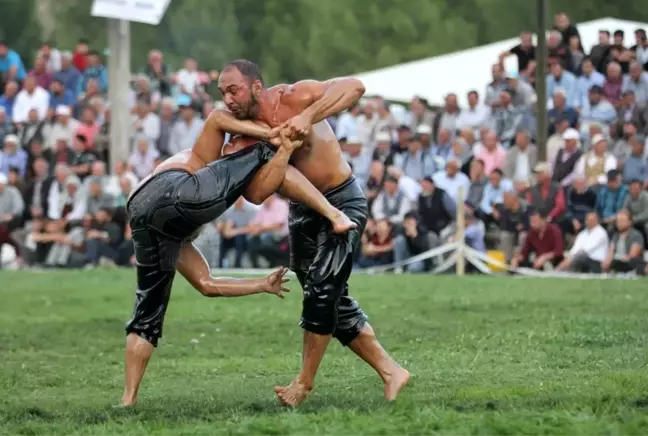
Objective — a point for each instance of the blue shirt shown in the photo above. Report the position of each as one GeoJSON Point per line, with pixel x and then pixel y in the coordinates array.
{"type": "Point", "coordinates": [609, 202]}
{"type": "Point", "coordinates": [585, 83]}
{"type": "Point", "coordinates": [98, 73]}
{"type": "Point", "coordinates": [635, 168]}
{"type": "Point", "coordinates": [493, 195]}
{"type": "Point", "coordinates": [553, 114]}
{"type": "Point", "coordinates": [8, 104]}
{"type": "Point", "coordinates": [474, 235]}
{"type": "Point", "coordinates": [70, 79]}
{"type": "Point", "coordinates": [16, 160]}
{"type": "Point", "coordinates": [13, 59]}
{"type": "Point", "coordinates": [567, 82]}
{"type": "Point", "coordinates": [67, 99]}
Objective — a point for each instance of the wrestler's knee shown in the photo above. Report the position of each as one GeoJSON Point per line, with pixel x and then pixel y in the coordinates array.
{"type": "Point", "coordinates": [350, 322]}
{"type": "Point", "coordinates": [319, 309]}
{"type": "Point", "coordinates": [150, 335]}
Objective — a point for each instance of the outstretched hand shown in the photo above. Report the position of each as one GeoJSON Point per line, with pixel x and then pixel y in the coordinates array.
{"type": "Point", "coordinates": [273, 282]}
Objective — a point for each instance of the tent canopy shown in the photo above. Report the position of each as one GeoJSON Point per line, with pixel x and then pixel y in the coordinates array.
{"type": "Point", "coordinates": [466, 70]}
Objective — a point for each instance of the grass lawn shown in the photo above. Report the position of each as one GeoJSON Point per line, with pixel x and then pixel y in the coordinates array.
{"type": "Point", "coordinates": [488, 356]}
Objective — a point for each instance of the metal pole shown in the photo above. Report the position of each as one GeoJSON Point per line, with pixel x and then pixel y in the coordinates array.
{"type": "Point", "coordinates": [460, 237]}
{"type": "Point", "coordinates": [119, 75]}
{"type": "Point", "coordinates": [541, 81]}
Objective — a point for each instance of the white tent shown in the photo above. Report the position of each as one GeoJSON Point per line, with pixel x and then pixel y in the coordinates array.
{"type": "Point", "coordinates": [462, 71]}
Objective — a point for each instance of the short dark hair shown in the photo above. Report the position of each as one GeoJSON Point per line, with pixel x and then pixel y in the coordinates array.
{"type": "Point", "coordinates": [613, 174]}
{"type": "Point", "coordinates": [247, 68]}
{"type": "Point", "coordinates": [607, 32]}
{"type": "Point", "coordinates": [619, 32]}
{"type": "Point", "coordinates": [498, 171]}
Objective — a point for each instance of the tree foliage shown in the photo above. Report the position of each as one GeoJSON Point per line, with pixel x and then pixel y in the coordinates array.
{"type": "Point", "coordinates": [293, 39]}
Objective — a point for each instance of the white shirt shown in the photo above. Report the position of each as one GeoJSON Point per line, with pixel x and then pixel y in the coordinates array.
{"type": "Point", "coordinates": [57, 131]}
{"type": "Point", "coordinates": [522, 170]}
{"type": "Point", "coordinates": [590, 159]}
{"type": "Point", "coordinates": [473, 118]}
{"type": "Point", "coordinates": [592, 242]}
{"type": "Point", "coordinates": [25, 102]}
{"type": "Point", "coordinates": [410, 187]}
{"type": "Point", "coordinates": [189, 80]}
{"type": "Point", "coordinates": [451, 185]}
{"type": "Point", "coordinates": [150, 126]}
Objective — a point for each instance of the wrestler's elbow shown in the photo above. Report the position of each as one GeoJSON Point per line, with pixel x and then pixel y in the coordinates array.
{"type": "Point", "coordinates": [208, 288]}
{"type": "Point", "coordinates": [357, 86]}
{"type": "Point", "coordinates": [255, 196]}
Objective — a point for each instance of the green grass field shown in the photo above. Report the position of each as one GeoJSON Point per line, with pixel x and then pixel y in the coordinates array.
{"type": "Point", "coordinates": [488, 356]}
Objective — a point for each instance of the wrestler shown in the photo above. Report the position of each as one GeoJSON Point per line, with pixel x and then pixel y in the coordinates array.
{"type": "Point", "coordinates": [321, 259]}
{"type": "Point", "coordinates": [167, 210]}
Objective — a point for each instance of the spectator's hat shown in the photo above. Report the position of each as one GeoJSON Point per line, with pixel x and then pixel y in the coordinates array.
{"type": "Point", "coordinates": [63, 110]}
{"type": "Point", "coordinates": [3, 179]}
{"type": "Point", "coordinates": [541, 167]}
{"type": "Point", "coordinates": [571, 133]}
{"type": "Point", "coordinates": [11, 139]}
{"type": "Point", "coordinates": [424, 129]}
{"type": "Point", "coordinates": [183, 101]}
{"type": "Point", "coordinates": [353, 140]}
{"type": "Point", "coordinates": [597, 138]}
{"type": "Point", "coordinates": [383, 137]}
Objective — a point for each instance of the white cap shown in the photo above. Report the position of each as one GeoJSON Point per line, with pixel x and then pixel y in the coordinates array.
{"type": "Point", "coordinates": [383, 137]}
{"type": "Point", "coordinates": [11, 138]}
{"type": "Point", "coordinates": [597, 138]}
{"type": "Point", "coordinates": [571, 133]}
{"type": "Point", "coordinates": [3, 179]}
{"type": "Point", "coordinates": [542, 167]}
{"type": "Point", "coordinates": [63, 110]}
{"type": "Point", "coordinates": [353, 140]}
{"type": "Point", "coordinates": [424, 129]}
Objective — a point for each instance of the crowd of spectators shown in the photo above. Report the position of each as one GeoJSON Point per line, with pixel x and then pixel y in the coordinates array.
{"type": "Point", "coordinates": [584, 208]}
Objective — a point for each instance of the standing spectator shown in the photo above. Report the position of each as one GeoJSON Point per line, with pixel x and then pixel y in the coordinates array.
{"type": "Point", "coordinates": [186, 129]}
{"type": "Point", "coordinates": [610, 199]}
{"type": "Point", "coordinates": [12, 205]}
{"type": "Point", "coordinates": [347, 125]}
{"type": "Point", "coordinates": [81, 55]}
{"type": "Point", "coordinates": [235, 230]}
{"type": "Point", "coordinates": [513, 217]}
{"type": "Point", "coordinates": [636, 167]}
{"type": "Point", "coordinates": [561, 110]}
{"type": "Point", "coordinates": [40, 74]}
{"type": "Point", "coordinates": [497, 85]}
{"type": "Point", "coordinates": [94, 71]}
{"type": "Point", "coordinates": [567, 157]}
{"type": "Point", "coordinates": [587, 79]}
{"type": "Point", "coordinates": [145, 122]}
{"type": "Point", "coordinates": [59, 96]}
{"type": "Point", "coordinates": [386, 121]}
{"type": "Point", "coordinates": [525, 53]}
{"type": "Point", "coordinates": [493, 154]}
{"type": "Point", "coordinates": [8, 99]}
{"type": "Point", "coordinates": [493, 195]}
{"type": "Point", "coordinates": [391, 204]}
{"type": "Point", "coordinates": [520, 159]}
{"type": "Point", "coordinates": [546, 196]}
{"type": "Point", "coordinates": [523, 96]}
{"type": "Point", "coordinates": [566, 29]}
{"type": "Point", "coordinates": [11, 65]}
{"type": "Point", "coordinates": [590, 248]}
{"type": "Point", "coordinates": [637, 82]}
{"type": "Point", "coordinates": [626, 250]}
{"type": "Point", "coordinates": [451, 180]}
{"type": "Point", "coordinates": [558, 78]}
{"type": "Point", "coordinates": [268, 228]}
{"type": "Point", "coordinates": [448, 117]}
{"type": "Point", "coordinates": [415, 163]}
{"type": "Point", "coordinates": [630, 112]}
{"type": "Point", "coordinates": [596, 163]}
{"type": "Point", "coordinates": [436, 210]}
{"type": "Point", "coordinates": [576, 55]}
{"type": "Point", "coordinates": [188, 78]}
{"type": "Point", "coordinates": [167, 118]}
{"type": "Point", "coordinates": [613, 83]}
{"type": "Point", "coordinates": [51, 56]}
{"type": "Point", "coordinates": [580, 201]}
{"type": "Point", "coordinates": [359, 159]}
{"type": "Point", "coordinates": [12, 156]}
{"type": "Point", "coordinates": [143, 158]}
{"type": "Point", "coordinates": [600, 53]}
{"type": "Point", "coordinates": [419, 114]}
{"type": "Point", "coordinates": [637, 204]}
{"type": "Point", "coordinates": [158, 73]}
{"type": "Point", "coordinates": [64, 128]}
{"type": "Point", "coordinates": [412, 242]}
{"type": "Point", "coordinates": [378, 249]}
{"type": "Point", "coordinates": [68, 74]}
{"type": "Point", "coordinates": [31, 97]}
{"type": "Point", "coordinates": [544, 240]}
{"type": "Point", "coordinates": [475, 115]}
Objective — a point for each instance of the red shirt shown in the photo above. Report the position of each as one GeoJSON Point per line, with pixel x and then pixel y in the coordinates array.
{"type": "Point", "coordinates": [551, 241]}
{"type": "Point", "coordinates": [80, 61]}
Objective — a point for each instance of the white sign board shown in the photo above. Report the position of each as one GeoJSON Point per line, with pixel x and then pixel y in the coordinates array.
{"type": "Point", "coordinates": [142, 11]}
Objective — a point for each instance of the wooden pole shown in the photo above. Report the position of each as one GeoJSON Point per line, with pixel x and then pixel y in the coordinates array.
{"type": "Point", "coordinates": [541, 80]}
{"type": "Point", "coordinates": [459, 237]}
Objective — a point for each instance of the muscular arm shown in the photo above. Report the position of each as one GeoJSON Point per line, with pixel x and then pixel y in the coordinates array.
{"type": "Point", "coordinates": [321, 100]}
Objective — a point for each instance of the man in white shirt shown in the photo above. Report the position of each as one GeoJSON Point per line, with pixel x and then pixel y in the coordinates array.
{"type": "Point", "coordinates": [31, 97]}
{"type": "Point", "coordinates": [65, 128]}
{"type": "Point", "coordinates": [451, 180]}
{"type": "Point", "coordinates": [188, 78]}
{"type": "Point", "coordinates": [475, 115]}
{"type": "Point", "coordinates": [590, 248]}
{"type": "Point", "coordinates": [145, 122]}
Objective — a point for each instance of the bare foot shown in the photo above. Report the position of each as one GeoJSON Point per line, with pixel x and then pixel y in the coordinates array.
{"type": "Point", "coordinates": [342, 223]}
{"type": "Point", "coordinates": [292, 395]}
{"type": "Point", "coordinates": [127, 401]}
{"type": "Point", "coordinates": [395, 383]}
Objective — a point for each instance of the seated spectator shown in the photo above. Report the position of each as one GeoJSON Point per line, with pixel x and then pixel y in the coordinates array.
{"type": "Point", "coordinates": [37, 190]}
{"type": "Point", "coordinates": [590, 248]}
{"type": "Point", "coordinates": [507, 119]}
{"type": "Point", "coordinates": [520, 159]}
{"type": "Point", "coordinates": [544, 240]}
{"type": "Point", "coordinates": [493, 195]}
{"type": "Point", "coordinates": [70, 204]}
{"type": "Point", "coordinates": [31, 97]}
{"type": "Point", "coordinates": [414, 240]}
{"type": "Point", "coordinates": [383, 152]}
{"type": "Point", "coordinates": [576, 54]}
{"type": "Point", "coordinates": [637, 83]}
{"type": "Point", "coordinates": [120, 171]}
{"type": "Point", "coordinates": [596, 163]}
{"type": "Point", "coordinates": [436, 210]}
{"type": "Point", "coordinates": [378, 248]}
{"type": "Point", "coordinates": [31, 130]}
{"type": "Point", "coordinates": [558, 78]}
{"type": "Point", "coordinates": [410, 187]}
{"type": "Point", "coordinates": [565, 161]}
{"type": "Point", "coordinates": [630, 111]}
{"type": "Point", "coordinates": [62, 154]}
{"type": "Point", "coordinates": [89, 126]}
{"type": "Point", "coordinates": [358, 158]}
{"type": "Point", "coordinates": [267, 229]}
{"type": "Point", "coordinates": [12, 206]}
{"type": "Point", "coordinates": [523, 94]}
{"type": "Point", "coordinates": [64, 249]}
{"type": "Point", "coordinates": [7, 239]}
{"type": "Point", "coordinates": [104, 240]}
{"type": "Point", "coordinates": [494, 88]}
{"type": "Point", "coordinates": [493, 154]}
{"type": "Point", "coordinates": [186, 129]}
{"type": "Point", "coordinates": [446, 119]}
{"type": "Point", "coordinates": [125, 190]}
{"type": "Point", "coordinates": [636, 203]}
{"type": "Point", "coordinates": [474, 232]}
{"type": "Point", "coordinates": [59, 96]}
{"type": "Point", "coordinates": [613, 83]}
{"type": "Point", "coordinates": [475, 115]}
{"type": "Point", "coordinates": [375, 182]}
{"type": "Point", "coordinates": [626, 250]}
{"type": "Point", "coordinates": [8, 99]}
{"type": "Point", "coordinates": [94, 71]}
{"type": "Point", "coordinates": [513, 220]}
{"type": "Point", "coordinates": [588, 78]}
{"type": "Point", "coordinates": [236, 226]}
{"type": "Point", "coordinates": [142, 160]}
{"type": "Point", "coordinates": [610, 199]}
{"type": "Point", "coordinates": [580, 201]}
{"type": "Point", "coordinates": [415, 163]}
{"type": "Point", "coordinates": [391, 204]}
{"type": "Point", "coordinates": [555, 142]}
{"type": "Point", "coordinates": [145, 122]}
{"type": "Point", "coordinates": [478, 182]}
{"type": "Point", "coordinates": [68, 74]}
{"type": "Point", "coordinates": [12, 156]}
{"type": "Point", "coordinates": [97, 199]}
{"type": "Point", "coordinates": [635, 167]}
{"type": "Point", "coordinates": [597, 110]}
{"type": "Point", "coordinates": [622, 149]}
{"type": "Point", "coordinates": [65, 127]}
{"type": "Point", "coordinates": [462, 153]}
{"type": "Point", "coordinates": [560, 110]}
{"type": "Point", "coordinates": [82, 157]}
{"type": "Point", "coordinates": [546, 196]}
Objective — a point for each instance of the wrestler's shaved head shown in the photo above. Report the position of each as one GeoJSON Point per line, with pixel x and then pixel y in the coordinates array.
{"type": "Point", "coordinates": [241, 84]}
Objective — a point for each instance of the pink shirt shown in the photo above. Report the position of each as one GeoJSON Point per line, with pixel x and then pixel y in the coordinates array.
{"type": "Point", "coordinates": [88, 131]}
{"type": "Point", "coordinates": [276, 213]}
{"type": "Point", "coordinates": [492, 160]}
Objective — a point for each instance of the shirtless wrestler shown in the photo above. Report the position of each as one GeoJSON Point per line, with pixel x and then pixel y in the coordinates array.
{"type": "Point", "coordinates": [167, 210]}
{"type": "Point", "coordinates": [321, 259]}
